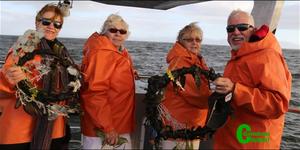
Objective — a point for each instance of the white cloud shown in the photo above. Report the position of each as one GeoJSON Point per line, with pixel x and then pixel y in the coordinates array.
{"type": "Point", "coordinates": [148, 24]}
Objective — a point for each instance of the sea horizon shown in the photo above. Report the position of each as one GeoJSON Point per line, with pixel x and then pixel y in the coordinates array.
{"type": "Point", "coordinates": [80, 38]}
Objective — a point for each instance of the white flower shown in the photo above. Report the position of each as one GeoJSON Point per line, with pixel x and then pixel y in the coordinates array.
{"type": "Point", "coordinates": [65, 9]}
{"type": "Point", "coordinates": [73, 71]}
{"type": "Point", "coordinates": [75, 84]}
{"type": "Point", "coordinates": [55, 110]}
{"type": "Point", "coordinates": [106, 146]}
{"type": "Point", "coordinates": [28, 41]}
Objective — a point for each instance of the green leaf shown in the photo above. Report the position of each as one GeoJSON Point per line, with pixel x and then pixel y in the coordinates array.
{"type": "Point", "coordinates": [100, 133]}
{"type": "Point", "coordinates": [121, 140]}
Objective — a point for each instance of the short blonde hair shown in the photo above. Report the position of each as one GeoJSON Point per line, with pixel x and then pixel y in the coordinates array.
{"type": "Point", "coordinates": [238, 12]}
{"type": "Point", "coordinates": [111, 21]}
{"type": "Point", "coordinates": [191, 28]}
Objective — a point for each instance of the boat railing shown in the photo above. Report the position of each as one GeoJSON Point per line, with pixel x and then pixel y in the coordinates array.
{"type": "Point", "coordinates": [145, 77]}
{"type": "Point", "coordinates": [141, 135]}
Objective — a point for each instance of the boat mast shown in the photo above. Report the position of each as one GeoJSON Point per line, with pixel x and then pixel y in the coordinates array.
{"type": "Point", "coordinates": [267, 12]}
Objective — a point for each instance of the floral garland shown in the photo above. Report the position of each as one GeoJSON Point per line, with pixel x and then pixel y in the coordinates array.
{"type": "Point", "coordinates": [156, 85]}
{"type": "Point", "coordinates": [37, 101]}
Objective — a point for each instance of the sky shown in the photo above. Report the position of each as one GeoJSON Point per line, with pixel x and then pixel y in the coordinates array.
{"type": "Point", "coordinates": [150, 24]}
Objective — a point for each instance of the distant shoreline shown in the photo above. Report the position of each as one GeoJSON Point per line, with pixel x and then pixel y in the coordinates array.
{"type": "Point", "coordinates": [143, 41]}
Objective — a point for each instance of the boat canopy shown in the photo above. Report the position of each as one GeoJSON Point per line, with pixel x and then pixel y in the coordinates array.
{"type": "Point", "coordinates": [153, 4]}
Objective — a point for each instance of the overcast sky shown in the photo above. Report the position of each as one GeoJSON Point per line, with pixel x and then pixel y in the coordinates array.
{"type": "Point", "coordinates": [149, 24]}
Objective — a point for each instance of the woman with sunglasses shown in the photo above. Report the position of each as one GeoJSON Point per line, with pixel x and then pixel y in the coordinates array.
{"type": "Point", "coordinates": [30, 128]}
{"type": "Point", "coordinates": [108, 95]}
{"type": "Point", "coordinates": [188, 108]}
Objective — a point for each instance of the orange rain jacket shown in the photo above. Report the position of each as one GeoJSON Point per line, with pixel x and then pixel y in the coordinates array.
{"type": "Point", "coordinates": [189, 107]}
{"type": "Point", "coordinates": [261, 95]}
{"type": "Point", "coordinates": [109, 91]}
{"type": "Point", "coordinates": [16, 126]}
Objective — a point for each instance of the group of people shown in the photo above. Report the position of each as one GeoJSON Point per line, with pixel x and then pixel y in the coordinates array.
{"type": "Point", "coordinates": [256, 75]}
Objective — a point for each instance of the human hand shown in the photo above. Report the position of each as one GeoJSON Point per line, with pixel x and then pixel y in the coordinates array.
{"type": "Point", "coordinates": [223, 85]}
{"type": "Point", "coordinates": [14, 74]}
{"type": "Point", "coordinates": [111, 137]}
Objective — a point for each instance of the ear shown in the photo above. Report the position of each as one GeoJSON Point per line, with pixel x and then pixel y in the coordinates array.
{"type": "Point", "coordinates": [255, 29]}
{"type": "Point", "coordinates": [37, 24]}
{"type": "Point", "coordinates": [128, 34]}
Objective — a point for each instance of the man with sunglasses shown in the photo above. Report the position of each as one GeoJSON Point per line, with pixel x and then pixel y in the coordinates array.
{"type": "Point", "coordinates": [260, 82]}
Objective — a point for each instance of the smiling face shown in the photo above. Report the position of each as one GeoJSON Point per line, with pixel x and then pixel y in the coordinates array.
{"type": "Point", "coordinates": [237, 38]}
{"type": "Point", "coordinates": [191, 41]}
{"type": "Point", "coordinates": [50, 30]}
{"type": "Point", "coordinates": [116, 34]}
{"type": "Point", "coordinates": [190, 37]}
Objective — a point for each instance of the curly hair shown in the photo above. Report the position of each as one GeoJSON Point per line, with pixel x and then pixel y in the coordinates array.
{"type": "Point", "coordinates": [191, 28]}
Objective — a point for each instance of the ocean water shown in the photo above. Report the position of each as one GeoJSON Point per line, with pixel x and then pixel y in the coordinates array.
{"type": "Point", "coordinates": [149, 60]}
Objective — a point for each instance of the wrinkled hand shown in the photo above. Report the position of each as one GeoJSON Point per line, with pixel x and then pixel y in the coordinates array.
{"type": "Point", "coordinates": [111, 137]}
{"type": "Point", "coordinates": [14, 74]}
{"type": "Point", "coordinates": [224, 85]}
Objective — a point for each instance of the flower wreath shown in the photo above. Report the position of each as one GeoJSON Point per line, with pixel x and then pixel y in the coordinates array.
{"type": "Point", "coordinates": [154, 94]}
{"type": "Point", "coordinates": [38, 101]}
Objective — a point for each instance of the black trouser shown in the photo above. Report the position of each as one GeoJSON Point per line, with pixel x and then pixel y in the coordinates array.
{"type": "Point", "coordinates": [56, 144]}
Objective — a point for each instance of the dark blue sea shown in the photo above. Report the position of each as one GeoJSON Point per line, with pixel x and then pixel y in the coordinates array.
{"type": "Point", "coordinates": [149, 59]}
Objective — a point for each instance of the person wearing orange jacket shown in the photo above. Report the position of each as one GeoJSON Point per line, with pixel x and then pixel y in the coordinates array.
{"type": "Point", "coordinates": [20, 128]}
{"type": "Point", "coordinates": [108, 95]}
{"type": "Point", "coordinates": [188, 108]}
{"type": "Point", "coordinates": [260, 82]}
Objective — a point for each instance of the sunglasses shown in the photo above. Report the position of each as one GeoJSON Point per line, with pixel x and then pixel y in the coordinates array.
{"type": "Point", "coordinates": [240, 27]}
{"type": "Point", "coordinates": [47, 22]}
{"type": "Point", "coordinates": [190, 40]}
{"type": "Point", "coordinates": [114, 30]}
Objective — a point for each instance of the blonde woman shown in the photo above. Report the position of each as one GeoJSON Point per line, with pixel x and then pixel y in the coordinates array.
{"type": "Point", "coordinates": [108, 95]}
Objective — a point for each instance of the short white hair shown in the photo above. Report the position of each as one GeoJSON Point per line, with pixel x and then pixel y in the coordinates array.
{"type": "Point", "coordinates": [238, 12]}
{"type": "Point", "coordinates": [111, 21]}
{"type": "Point", "coordinates": [190, 28]}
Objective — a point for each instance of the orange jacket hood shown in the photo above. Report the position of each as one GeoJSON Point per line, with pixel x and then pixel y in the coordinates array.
{"type": "Point", "coordinates": [248, 48]}
{"type": "Point", "coordinates": [178, 50]}
{"type": "Point", "coordinates": [93, 45]}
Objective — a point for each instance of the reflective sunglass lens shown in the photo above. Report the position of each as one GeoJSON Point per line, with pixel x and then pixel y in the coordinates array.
{"type": "Point", "coordinates": [57, 25]}
{"type": "Point", "coordinates": [123, 31]}
{"type": "Point", "coordinates": [47, 22]}
{"type": "Point", "coordinates": [230, 28]}
{"type": "Point", "coordinates": [192, 40]}
{"type": "Point", "coordinates": [113, 30]}
{"type": "Point", "coordinates": [240, 27]}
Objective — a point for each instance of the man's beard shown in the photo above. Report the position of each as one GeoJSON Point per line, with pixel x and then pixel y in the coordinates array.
{"type": "Point", "coordinates": [235, 47]}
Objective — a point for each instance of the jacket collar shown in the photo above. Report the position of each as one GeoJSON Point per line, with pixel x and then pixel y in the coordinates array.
{"type": "Point", "coordinates": [269, 42]}
{"type": "Point", "coordinates": [179, 50]}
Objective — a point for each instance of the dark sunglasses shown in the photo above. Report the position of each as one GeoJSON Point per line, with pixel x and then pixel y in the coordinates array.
{"type": "Point", "coordinates": [114, 30]}
{"type": "Point", "coordinates": [240, 27]}
{"type": "Point", "coordinates": [47, 22]}
{"type": "Point", "coordinates": [190, 40]}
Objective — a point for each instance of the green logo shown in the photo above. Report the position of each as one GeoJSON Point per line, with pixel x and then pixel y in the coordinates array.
{"type": "Point", "coordinates": [244, 135]}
